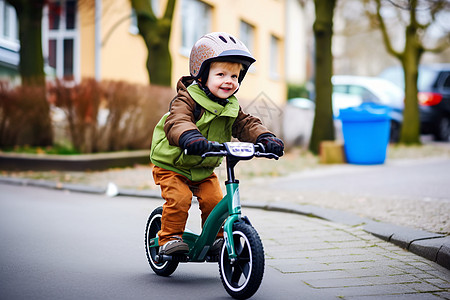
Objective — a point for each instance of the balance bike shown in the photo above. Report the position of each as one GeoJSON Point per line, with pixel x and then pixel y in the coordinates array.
{"type": "Point", "coordinates": [241, 259]}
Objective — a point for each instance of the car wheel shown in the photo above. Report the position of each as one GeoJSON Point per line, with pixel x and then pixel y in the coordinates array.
{"type": "Point", "coordinates": [394, 136]}
{"type": "Point", "coordinates": [443, 130]}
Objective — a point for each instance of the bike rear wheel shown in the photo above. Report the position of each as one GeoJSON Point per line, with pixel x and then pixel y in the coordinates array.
{"type": "Point", "coordinates": [243, 277]}
{"type": "Point", "coordinates": [151, 231]}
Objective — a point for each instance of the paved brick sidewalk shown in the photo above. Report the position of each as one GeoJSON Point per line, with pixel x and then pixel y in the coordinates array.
{"type": "Point", "coordinates": [346, 262]}
{"type": "Point", "coordinates": [335, 261]}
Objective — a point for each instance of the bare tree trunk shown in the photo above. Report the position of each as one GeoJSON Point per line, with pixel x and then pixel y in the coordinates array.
{"type": "Point", "coordinates": [410, 61]}
{"type": "Point", "coordinates": [31, 68]}
{"type": "Point", "coordinates": [156, 34]}
{"type": "Point", "coordinates": [323, 127]}
{"type": "Point", "coordinates": [159, 61]}
{"type": "Point", "coordinates": [29, 14]}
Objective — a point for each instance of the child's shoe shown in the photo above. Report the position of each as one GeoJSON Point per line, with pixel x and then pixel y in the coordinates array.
{"type": "Point", "coordinates": [175, 246]}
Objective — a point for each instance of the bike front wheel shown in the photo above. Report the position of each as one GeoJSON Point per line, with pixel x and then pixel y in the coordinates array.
{"type": "Point", "coordinates": [243, 277]}
{"type": "Point", "coordinates": [151, 231]}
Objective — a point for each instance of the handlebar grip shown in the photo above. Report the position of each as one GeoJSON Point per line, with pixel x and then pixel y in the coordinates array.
{"type": "Point", "coordinates": [267, 155]}
{"type": "Point", "coordinates": [212, 147]}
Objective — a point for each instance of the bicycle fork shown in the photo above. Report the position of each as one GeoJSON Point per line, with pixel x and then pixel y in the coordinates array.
{"type": "Point", "coordinates": [235, 214]}
{"type": "Point", "coordinates": [226, 212]}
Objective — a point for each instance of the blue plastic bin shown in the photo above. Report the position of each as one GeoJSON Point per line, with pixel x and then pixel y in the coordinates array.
{"type": "Point", "coordinates": [366, 134]}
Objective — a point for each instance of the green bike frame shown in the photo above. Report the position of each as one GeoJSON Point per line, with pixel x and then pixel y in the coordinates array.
{"type": "Point", "coordinates": [226, 213]}
{"type": "Point", "coordinates": [228, 210]}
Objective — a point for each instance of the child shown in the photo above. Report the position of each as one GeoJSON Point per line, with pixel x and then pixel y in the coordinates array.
{"type": "Point", "coordinates": [205, 109]}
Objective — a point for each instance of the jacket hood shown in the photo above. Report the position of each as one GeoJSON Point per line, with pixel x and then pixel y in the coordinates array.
{"type": "Point", "coordinates": [184, 82]}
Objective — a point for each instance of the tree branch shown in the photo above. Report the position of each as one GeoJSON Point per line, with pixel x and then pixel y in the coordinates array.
{"type": "Point", "coordinates": [387, 40]}
{"type": "Point", "coordinates": [443, 45]}
{"type": "Point", "coordinates": [170, 8]}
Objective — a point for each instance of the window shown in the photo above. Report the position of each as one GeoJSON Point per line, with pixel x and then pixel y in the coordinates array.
{"type": "Point", "coordinates": [60, 39]}
{"type": "Point", "coordinates": [247, 35]}
{"type": "Point", "coordinates": [343, 89]}
{"type": "Point", "coordinates": [9, 26]}
{"type": "Point", "coordinates": [274, 57]}
{"type": "Point", "coordinates": [196, 21]}
{"type": "Point", "coordinates": [355, 90]}
{"type": "Point", "coordinates": [363, 93]}
{"type": "Point", "coordinates": [445, 80]}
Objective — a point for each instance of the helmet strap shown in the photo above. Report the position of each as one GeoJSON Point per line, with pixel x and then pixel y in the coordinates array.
{"type": "Point", "coordinates": [211, 96]}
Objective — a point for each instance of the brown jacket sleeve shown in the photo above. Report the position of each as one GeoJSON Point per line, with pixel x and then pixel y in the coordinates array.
{"type": "Point", "coordinates": [181, 117]}
{"type": "Point", "coordinates": [247, 128]}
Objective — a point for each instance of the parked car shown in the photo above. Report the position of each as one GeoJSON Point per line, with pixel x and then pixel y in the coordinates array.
{"type": "Point", "coordinates": [352, 91]}
{"type": "Point", "coordinates": [348, 91]}
{"type": "Point", "coordinates": [434, 97]}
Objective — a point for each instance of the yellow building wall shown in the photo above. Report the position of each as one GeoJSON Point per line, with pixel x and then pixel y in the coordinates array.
{"type": "Point", "coordinates": [123, 53]}
{"type": "Point", "coordinates": [87, 38]}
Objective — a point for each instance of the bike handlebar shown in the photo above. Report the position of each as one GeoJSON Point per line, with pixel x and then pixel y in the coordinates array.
{"type": "Point", "coordinates": [217, 149]}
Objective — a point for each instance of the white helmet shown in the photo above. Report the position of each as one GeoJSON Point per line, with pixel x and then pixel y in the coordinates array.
{"type": "Point", "coordinates": [218, 46]}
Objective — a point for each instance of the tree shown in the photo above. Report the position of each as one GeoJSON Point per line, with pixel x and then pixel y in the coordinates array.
{"type": "Point", "coordinates": [156, 34]}
{"type": "Point", "coordinates": [323, 127]}
{"type": "Point", "coordinates": [418, 16]}
{"type": "Point", "coordinates": [31, 68]}
{"type": "Point", "coordinates": [29, 14]}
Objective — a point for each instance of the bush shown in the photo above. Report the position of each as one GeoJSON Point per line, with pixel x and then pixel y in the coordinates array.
{"type": "Point", "coordinates": [80, 104]}
{"type": "Point", "coordinates": [24, 116]}
{"type": "Point", "coordinates": [108, 116]}
{"type": "Point", "coordinates": [297, 91]}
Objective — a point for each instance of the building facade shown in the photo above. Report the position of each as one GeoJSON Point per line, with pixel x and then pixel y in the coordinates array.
{"type": "Point", "coordinates": [99, 39]}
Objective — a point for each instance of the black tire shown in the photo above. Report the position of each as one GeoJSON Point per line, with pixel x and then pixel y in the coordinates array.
{"type": "Point", "coordinates": [442, 132]}
{"type": "Point", "coordinates": [151, 231]}
{"type": "Point", "coordinates": [243, 279]}
{"type": "Point", "coordinates": [394, 136]}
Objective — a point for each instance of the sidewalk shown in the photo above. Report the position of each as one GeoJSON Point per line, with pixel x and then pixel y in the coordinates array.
{"type": "Point", "coordinates": [338, 261]}
{"type": "Point", "coordinates": [341, 261]}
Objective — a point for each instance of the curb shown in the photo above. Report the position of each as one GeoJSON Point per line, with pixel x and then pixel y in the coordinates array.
{"type": "Point", "coordinates": [79, 162]}
{"type": "Point", "coordinates": [432, 246]}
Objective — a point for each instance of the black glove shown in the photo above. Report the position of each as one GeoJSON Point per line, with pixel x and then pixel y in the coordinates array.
{"type": "Point", "coordinates": [194, 142]}
{"type": "Point", "coordinates": [271, 143]}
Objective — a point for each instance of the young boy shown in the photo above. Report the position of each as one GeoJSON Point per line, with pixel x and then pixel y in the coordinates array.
{"type": "Point", "coordinates": [205, 109]}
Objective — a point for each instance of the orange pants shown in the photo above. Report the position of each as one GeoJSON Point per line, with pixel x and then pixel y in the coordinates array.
{"type": "Point", "coordinates": [177, 190]}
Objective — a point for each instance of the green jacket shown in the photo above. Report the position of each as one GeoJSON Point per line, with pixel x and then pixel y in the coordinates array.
{"type": "Point", "coordinates": [216, 123]}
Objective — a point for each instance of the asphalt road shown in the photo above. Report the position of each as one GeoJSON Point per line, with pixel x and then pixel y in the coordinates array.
{"type": "Point", "coordinates": [61, 245]}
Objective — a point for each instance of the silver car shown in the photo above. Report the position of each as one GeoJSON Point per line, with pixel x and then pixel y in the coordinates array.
{"type": "Point", "coordinates": [352, 91]}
